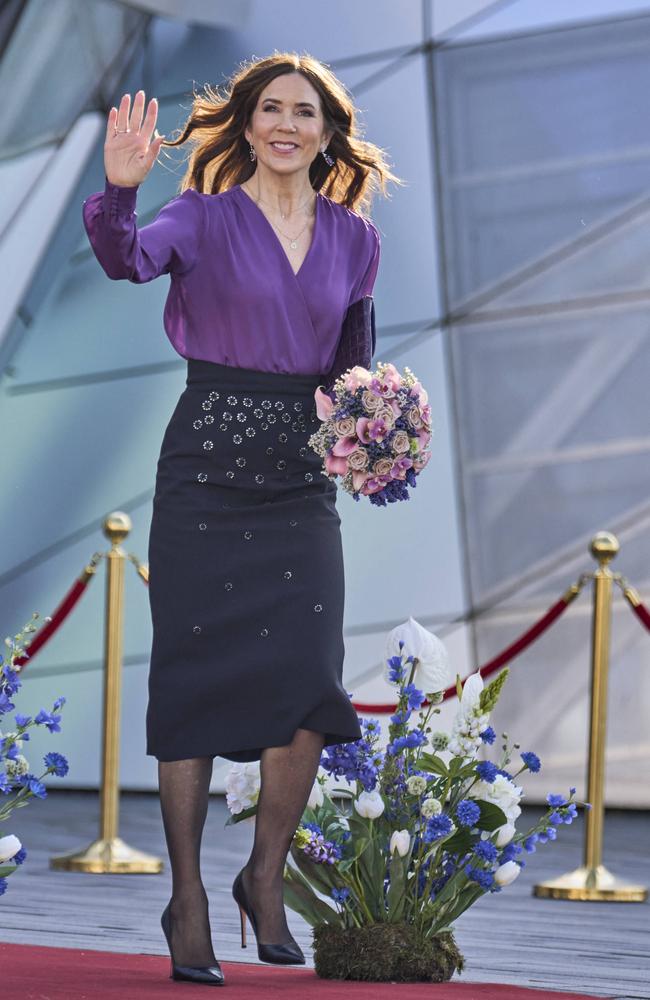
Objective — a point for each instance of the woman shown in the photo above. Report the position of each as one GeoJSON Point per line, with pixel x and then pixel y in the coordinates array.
{"type": "Point", "coordinates": [245, 560]}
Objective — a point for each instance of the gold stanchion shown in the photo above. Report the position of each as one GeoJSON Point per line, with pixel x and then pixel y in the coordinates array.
{"type": "Point", "coordinates": [592, 881]}
{"type": "Point", "coordinates": [110, 853]}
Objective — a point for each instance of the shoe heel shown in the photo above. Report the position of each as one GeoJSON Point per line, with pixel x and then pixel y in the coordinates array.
{"type": "Point", "coordinates": [242, 919]}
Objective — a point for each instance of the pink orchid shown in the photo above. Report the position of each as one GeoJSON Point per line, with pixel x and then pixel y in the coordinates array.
{"type": "Point", "coordinates": [335, 466]}
{"type": "Point", "coordinates": [324, 404]}
{"type": "Point", "coordinates": [400, 466]}
{"type": "Point", "coordinates": [375, 484]}
{"type": "Point", "coordinates": [359, 477]}
{"type": "Point", "coordinates": [369, 430]}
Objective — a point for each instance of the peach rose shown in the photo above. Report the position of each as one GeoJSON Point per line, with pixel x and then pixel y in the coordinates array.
{"type": "Point", "coordinates": [371, 402]}
{"type": "Point", "coordinates": [358, 459]}
{"type": "Point", "coordinates": [414, 417]}
{"type": "Point", "coordinates": [345, 426]}
{"type": "Point", "coordinates": [401, 442]}
{"type": "Point", "coordinates": [382, 467]}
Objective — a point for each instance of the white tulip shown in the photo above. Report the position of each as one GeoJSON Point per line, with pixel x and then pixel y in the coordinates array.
{"type": "Point", "coordinates": [400, 841]}
{"type": "Point", "coordinates": [507, 873]}
{"type": "Point", "coordinates": [9, 846]}
{"type": "Point", "coordinates": [505, 834]}
{"type": "Point", "coordinates": [370, 805]}
{"type": "Point", "coordinates": [316, 795]}
{"type": "Point", "coordinates": [432, 671]}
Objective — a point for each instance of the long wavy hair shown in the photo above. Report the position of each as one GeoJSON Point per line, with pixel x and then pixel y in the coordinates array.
{"type": "Point", "coordinates": [219, 156]}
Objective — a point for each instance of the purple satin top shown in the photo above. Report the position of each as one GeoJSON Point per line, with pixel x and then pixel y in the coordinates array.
{"type": "Point", "coordinates": [233, 296]}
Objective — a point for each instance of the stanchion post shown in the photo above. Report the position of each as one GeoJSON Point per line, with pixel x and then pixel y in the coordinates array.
{"type": "Point", "coordinates": [110, 854]}
{"type": "Point", "coordinates": [592, 881]}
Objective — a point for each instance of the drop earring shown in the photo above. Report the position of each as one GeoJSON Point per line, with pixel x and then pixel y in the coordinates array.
{"type": "Point", "coordinates": [328, 159]}
{"type": "Point", "coordinates": [252, 153]}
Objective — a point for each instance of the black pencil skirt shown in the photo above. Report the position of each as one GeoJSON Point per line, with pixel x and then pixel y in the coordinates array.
{"type": "Point", "coordinates": [246, 579]}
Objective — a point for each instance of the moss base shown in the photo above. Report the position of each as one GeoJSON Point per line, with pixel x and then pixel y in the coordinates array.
{"type": "Point", "coordinates": [384, 952]}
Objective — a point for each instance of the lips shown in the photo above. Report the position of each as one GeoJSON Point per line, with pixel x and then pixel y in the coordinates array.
{"type": "Point", "coordinates": [285, 147]}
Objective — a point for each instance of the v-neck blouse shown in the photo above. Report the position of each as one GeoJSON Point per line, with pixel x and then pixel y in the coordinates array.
{"type": "Point", "coordinates": [233, 295]}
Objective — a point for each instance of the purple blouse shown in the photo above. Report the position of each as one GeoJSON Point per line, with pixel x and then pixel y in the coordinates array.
{"type": "Point", "coordinates": [233, 296]}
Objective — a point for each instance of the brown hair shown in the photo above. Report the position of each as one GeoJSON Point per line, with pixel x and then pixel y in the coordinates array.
{"type": "Point", "coordinates": [220, 157]}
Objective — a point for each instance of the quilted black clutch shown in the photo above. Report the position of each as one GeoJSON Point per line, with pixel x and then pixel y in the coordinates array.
{"type": "Point", "coordinates": [357, 341]}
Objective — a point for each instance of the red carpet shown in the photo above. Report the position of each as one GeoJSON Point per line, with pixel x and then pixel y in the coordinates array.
{"type": "Point", "coordinates": [34, 972]}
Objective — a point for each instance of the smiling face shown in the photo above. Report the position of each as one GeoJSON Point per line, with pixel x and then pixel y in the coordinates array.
{"type": "Point", "coordinates": [287, 128]}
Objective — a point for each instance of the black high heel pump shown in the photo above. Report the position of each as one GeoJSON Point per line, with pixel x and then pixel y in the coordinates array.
{"type": "Point", "coordinates": [279, 954]}
{"type": "Point", "coordinates": [207, 974]}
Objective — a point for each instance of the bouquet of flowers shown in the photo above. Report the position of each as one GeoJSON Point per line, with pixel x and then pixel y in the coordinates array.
{"type": "Point", "coordinates": [426, 829]}
{"type": "Point", "coordinates": [375, 432]}
{"type": "Point", "coordinates": [17, 783]}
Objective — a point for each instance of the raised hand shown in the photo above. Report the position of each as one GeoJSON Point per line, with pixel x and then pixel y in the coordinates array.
{"type": "Point", "coordinates": [129, 153]}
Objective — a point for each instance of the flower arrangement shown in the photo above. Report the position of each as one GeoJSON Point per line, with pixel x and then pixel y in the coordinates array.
{"type": "Point", "coordinates": [425, 830]}
{"type": "Point", "coordinates": [17, 783]}
{"type": "Point", "coordinates": [375, 432]}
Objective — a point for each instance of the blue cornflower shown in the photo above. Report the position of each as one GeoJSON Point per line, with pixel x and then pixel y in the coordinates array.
{"type": "Point", "coordinates": [4, 885]}
{"type": "Point", "coordinates": [487, 770]}
{"type": "Point", "coordinates": [56, 762]}
{"type": "Point", "coordinates": [488, 735]}
{"type": "Point", "coordinates": [510, 852]}
{"type": "Point", "coordinates": [437, 827]}
{"type": "Point", "coordinates": [468, 812]}
{"type": "Point", "coordinates": [19, 858]}
{"type": "Point", "coordinates": [506, 774]}
{"type": "Point", "coordinates": [48, 719]}
{"type": "Point", "coordinates": [531, 760]}
{"type": "Point", "coordinates": [35, 786]}
{"type": "Point", "coordinates": [340, 895]}
{"type": "Point", "coordinates": [556, 800]}
{"type": "Point", "coordinates": [414, 695]}
{"type": "Point", "coordinates": [486, 850]}
{"type": "Point", "coordinates": [483, 878]}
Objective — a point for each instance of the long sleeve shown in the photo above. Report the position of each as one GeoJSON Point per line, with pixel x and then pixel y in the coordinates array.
{"type": "Point", "coordinates": [372, 255]}
{"type": "Point", "coordinates": [168, 244]}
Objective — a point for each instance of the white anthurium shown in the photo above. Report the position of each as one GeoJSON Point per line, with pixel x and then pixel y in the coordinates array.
{"type": "Point", "coordinates": [505, 834]}
{"type": "Point", "coordinates": [400, 841]}
{"type": "Point", "coordinates": [507, 873]}
{"type": "Point", "coordinates": [469, 702]}
{"type": "Point", "coordinates": [316, 795]}
{"type": "Point", "coordinates": [9, 846]}
{"type": "Point", "coordinates": [242, 786]}
{"type": "Point", "coordinates": [469, 721]}
{"type": "Point", "coordinates": [432, 672]}
{"type": "Point", "coordinates": [370, 805]}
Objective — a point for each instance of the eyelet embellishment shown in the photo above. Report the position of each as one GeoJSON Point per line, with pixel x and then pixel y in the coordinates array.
{"type": "Point", "coordinates": [196, 629]}
{"type": "Point", "coordinates": [279, 405]}
{"type": "Point", "coordinates": [318, 607]}
{"type": "Point", "coordinates": [197, 425]}
{"type": "Point", "coordinates": [302, 452]}
{"type": "Point", "coordinates": [208, 445]}
{"type": "Point", "coordinates": [230, 474]}
{"type": "Point", "coordinates": [237, 438]}
{"type": "Point", "coordinates": [202, 477]}
{"type": "Point", "coordinates": [202, 526]}
{"type": "Point", "coordinates": [266, 404]}
{"type": "Point", "coordinates": [272, 418]}
{"type": "Point", "coordinates": [241, 461]}
{"type": "Point", "coordinates": [269, 450]}
{"type": "Point", "coordinates": [206, 404]}
{"type": "Point", "coordinates": [213, 395]}
{"type": "Point", "coordinates": [209, 419]}
{"type": "Point", "coordinates": [223, 427]}
{"type": "Point", "coordinates": [250, 432]}
{"type": "Point", "coordinates": [258, 413]}
{"type": "Point", "coordinates": [247, 401]}
{"type": "Point", "coordinates": [227, 586]}
{"type": "Point", "coordinates": [248, 535]}
{"type": "Point", "coordinates": [308, 477]}
{"type": "Point", "coordinates": [265, 426]}
{"type": "Point", "coordinates": [259, 478]}
{"type": "Point", "coordinates": [241, 417]}
{"type": "Point", "coordinates": [287, 574]}
{"type": "Point", "coordinates": [293, 523]}
{"type": "Point", "coordinates": [232, 401]}
{"type": "Point", "coordinates": [286, 417]}
{"type": "Point", "coordinates": [282, 437]}
{"type": "Point", "coordinates": [264, 632]}
{"type": "Point", "coordinates": [226, 415]}
{"type": "Point", "coordinates": [281, 464]}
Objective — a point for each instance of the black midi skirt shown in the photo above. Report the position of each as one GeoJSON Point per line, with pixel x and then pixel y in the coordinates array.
{"type": "Point", "coordinates": [246, 577]}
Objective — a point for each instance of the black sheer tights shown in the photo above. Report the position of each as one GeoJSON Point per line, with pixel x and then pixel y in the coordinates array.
{"type": "Point", "coordinates": [287, 777]}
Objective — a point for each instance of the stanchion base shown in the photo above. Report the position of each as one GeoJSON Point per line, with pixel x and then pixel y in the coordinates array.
{"type": "Point", "coordinates": [108, 856]}
{"type": "Point", "coordinates": [591, 884]}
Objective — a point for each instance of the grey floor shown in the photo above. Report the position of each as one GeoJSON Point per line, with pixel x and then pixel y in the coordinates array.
{"type": "Point", "coordinates": [601, 949]}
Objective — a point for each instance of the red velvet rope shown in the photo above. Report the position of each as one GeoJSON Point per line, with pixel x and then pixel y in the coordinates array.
{"type": "Point", "coordinates": [498, 661]}
{"type": "Point", "coordinates": [642, 614]}
{"type": "Point", "coordinates": [59, 616]}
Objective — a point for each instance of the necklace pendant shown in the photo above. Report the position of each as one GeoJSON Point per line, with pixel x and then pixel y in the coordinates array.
{"type": "Point", "coordinates": [293, 245]}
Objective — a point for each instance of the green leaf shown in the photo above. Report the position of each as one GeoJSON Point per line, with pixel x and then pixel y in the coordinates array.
{"type": "Point", "coordinates": [459, 842]}
{"type": "Point", "coordinates": [6, 870]}
{"type": "Point", "coordinates": [319, 876]}
{"type": "Point", "coordinates": [492, 816]}
{"type": "Point", "coordinates": [238, 817]}
{"type": "Point", "coordinates": [396, 895]}
{"type": "Point", "coordinates": [430, 762]}
{"type": "Point", "coordinates": [301, 898]}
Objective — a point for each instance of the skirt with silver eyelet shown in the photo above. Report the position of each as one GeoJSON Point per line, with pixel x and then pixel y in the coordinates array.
{"type": "Point", "coordinates": [246, 577]}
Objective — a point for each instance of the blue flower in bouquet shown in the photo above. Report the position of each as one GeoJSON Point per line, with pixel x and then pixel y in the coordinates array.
{"type": "Point", "coordinates": [311, 840]}
{"type": "Point", "coordinates": [397, 668]}
{"type": "Point", "coordinates": [22, 720]}
{"type": "Point", "coordinates": [5, 783]}
{"type": "Point", "coordinates": [9, 679]}
{"type": "Point", "coordinates": [57, 763]}
{"type": "Point", "coordinates": [556, 800]}
{"type": "Point", "coordinates": [485, 850]}
{"type": "Point", "coordinates": [531, 760]}
{"type": "Point", "coordinates": [479, 875]}
{"type": "Point", "coordinates": [8, 749]}
{"type": "Point", "coordinates": [340, 895]}
{"type": "Point", "coordinates": [6, 704]}
{"type": "Point", "coordinates": [4, 885]}
{"type": "Point", "coordinates": [415, 697]}
{"type": "Point", "coordinates": [20, 857]}
{"type": "Point", "coordinates": [487, 771]}
{"type": "Point", "coordinates": [437, 827]}
{"type": "Point", "coordinates": [414, 738]}
{"type": "Point", "coordinates": [468, 812]}
{"type": "Point", "coordinates": [488, 735]}
{"type": "Point", "coordinates": [35, 786]}
{"type": "Point", "coordinates": [48, 719]}
{"type": "Point", "coordinates": [510, 852]}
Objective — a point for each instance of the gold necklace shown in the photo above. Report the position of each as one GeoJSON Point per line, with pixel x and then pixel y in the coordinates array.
{"type": "Point", "coordinates": [293, 240]}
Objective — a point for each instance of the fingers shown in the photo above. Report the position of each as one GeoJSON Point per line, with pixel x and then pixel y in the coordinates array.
{"type": "Point", "coordinates": [135, 121]}
{"type": "Point", "coordinates": [149, 124]}
{"type": "Point", "coordinates": [123, 113]}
